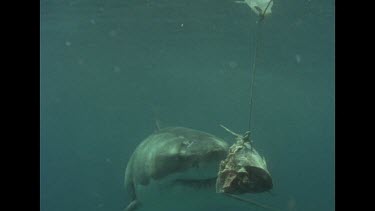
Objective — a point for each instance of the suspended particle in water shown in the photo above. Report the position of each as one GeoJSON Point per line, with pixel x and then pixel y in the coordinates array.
{"type": "Point", "coordinates": [68, 43]}
{"type": "Point", "coordinates": [57, 100]}
{"type": "Point", "coordinates": [291, 204]}
{"type": "Point", "coordinates": [72, 3]}
{"type": "Point", "coordinates": [80, 61]}
{"type": "Point", "coordinates": [92, 21]}
{"type": "Point", "coordinates": [116, 69]}
{"type": "Point", "coordinates": [233, 64]}
{"type": "Point", "coordinates": [108, 160]}
{"type": "Point", "coordinates": [298, 22]}
{"type": "Point", "coordinates": [112, 33]}
{"type": "Point", "coordinates": [298, 58]}
{"type": "Point", "coordinates": [182, 25]}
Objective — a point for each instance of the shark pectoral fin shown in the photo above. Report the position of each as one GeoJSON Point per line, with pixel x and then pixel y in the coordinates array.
{"type": "Point", "coordinates": [132, 205]}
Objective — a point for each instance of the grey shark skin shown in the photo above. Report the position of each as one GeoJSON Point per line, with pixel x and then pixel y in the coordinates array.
{"type": "Point", "coordinates": [192, 154]}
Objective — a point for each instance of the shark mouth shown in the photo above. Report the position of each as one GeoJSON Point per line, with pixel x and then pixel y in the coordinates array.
{"type": "Point", "coordinates": [196, 183]}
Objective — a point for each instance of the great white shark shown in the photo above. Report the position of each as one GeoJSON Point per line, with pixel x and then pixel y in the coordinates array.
{"type": "Point", "coordinates": [173, 156]}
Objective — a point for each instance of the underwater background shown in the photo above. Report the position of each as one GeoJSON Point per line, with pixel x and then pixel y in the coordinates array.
{"type": "Point", "coordinates": [110, 68]}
